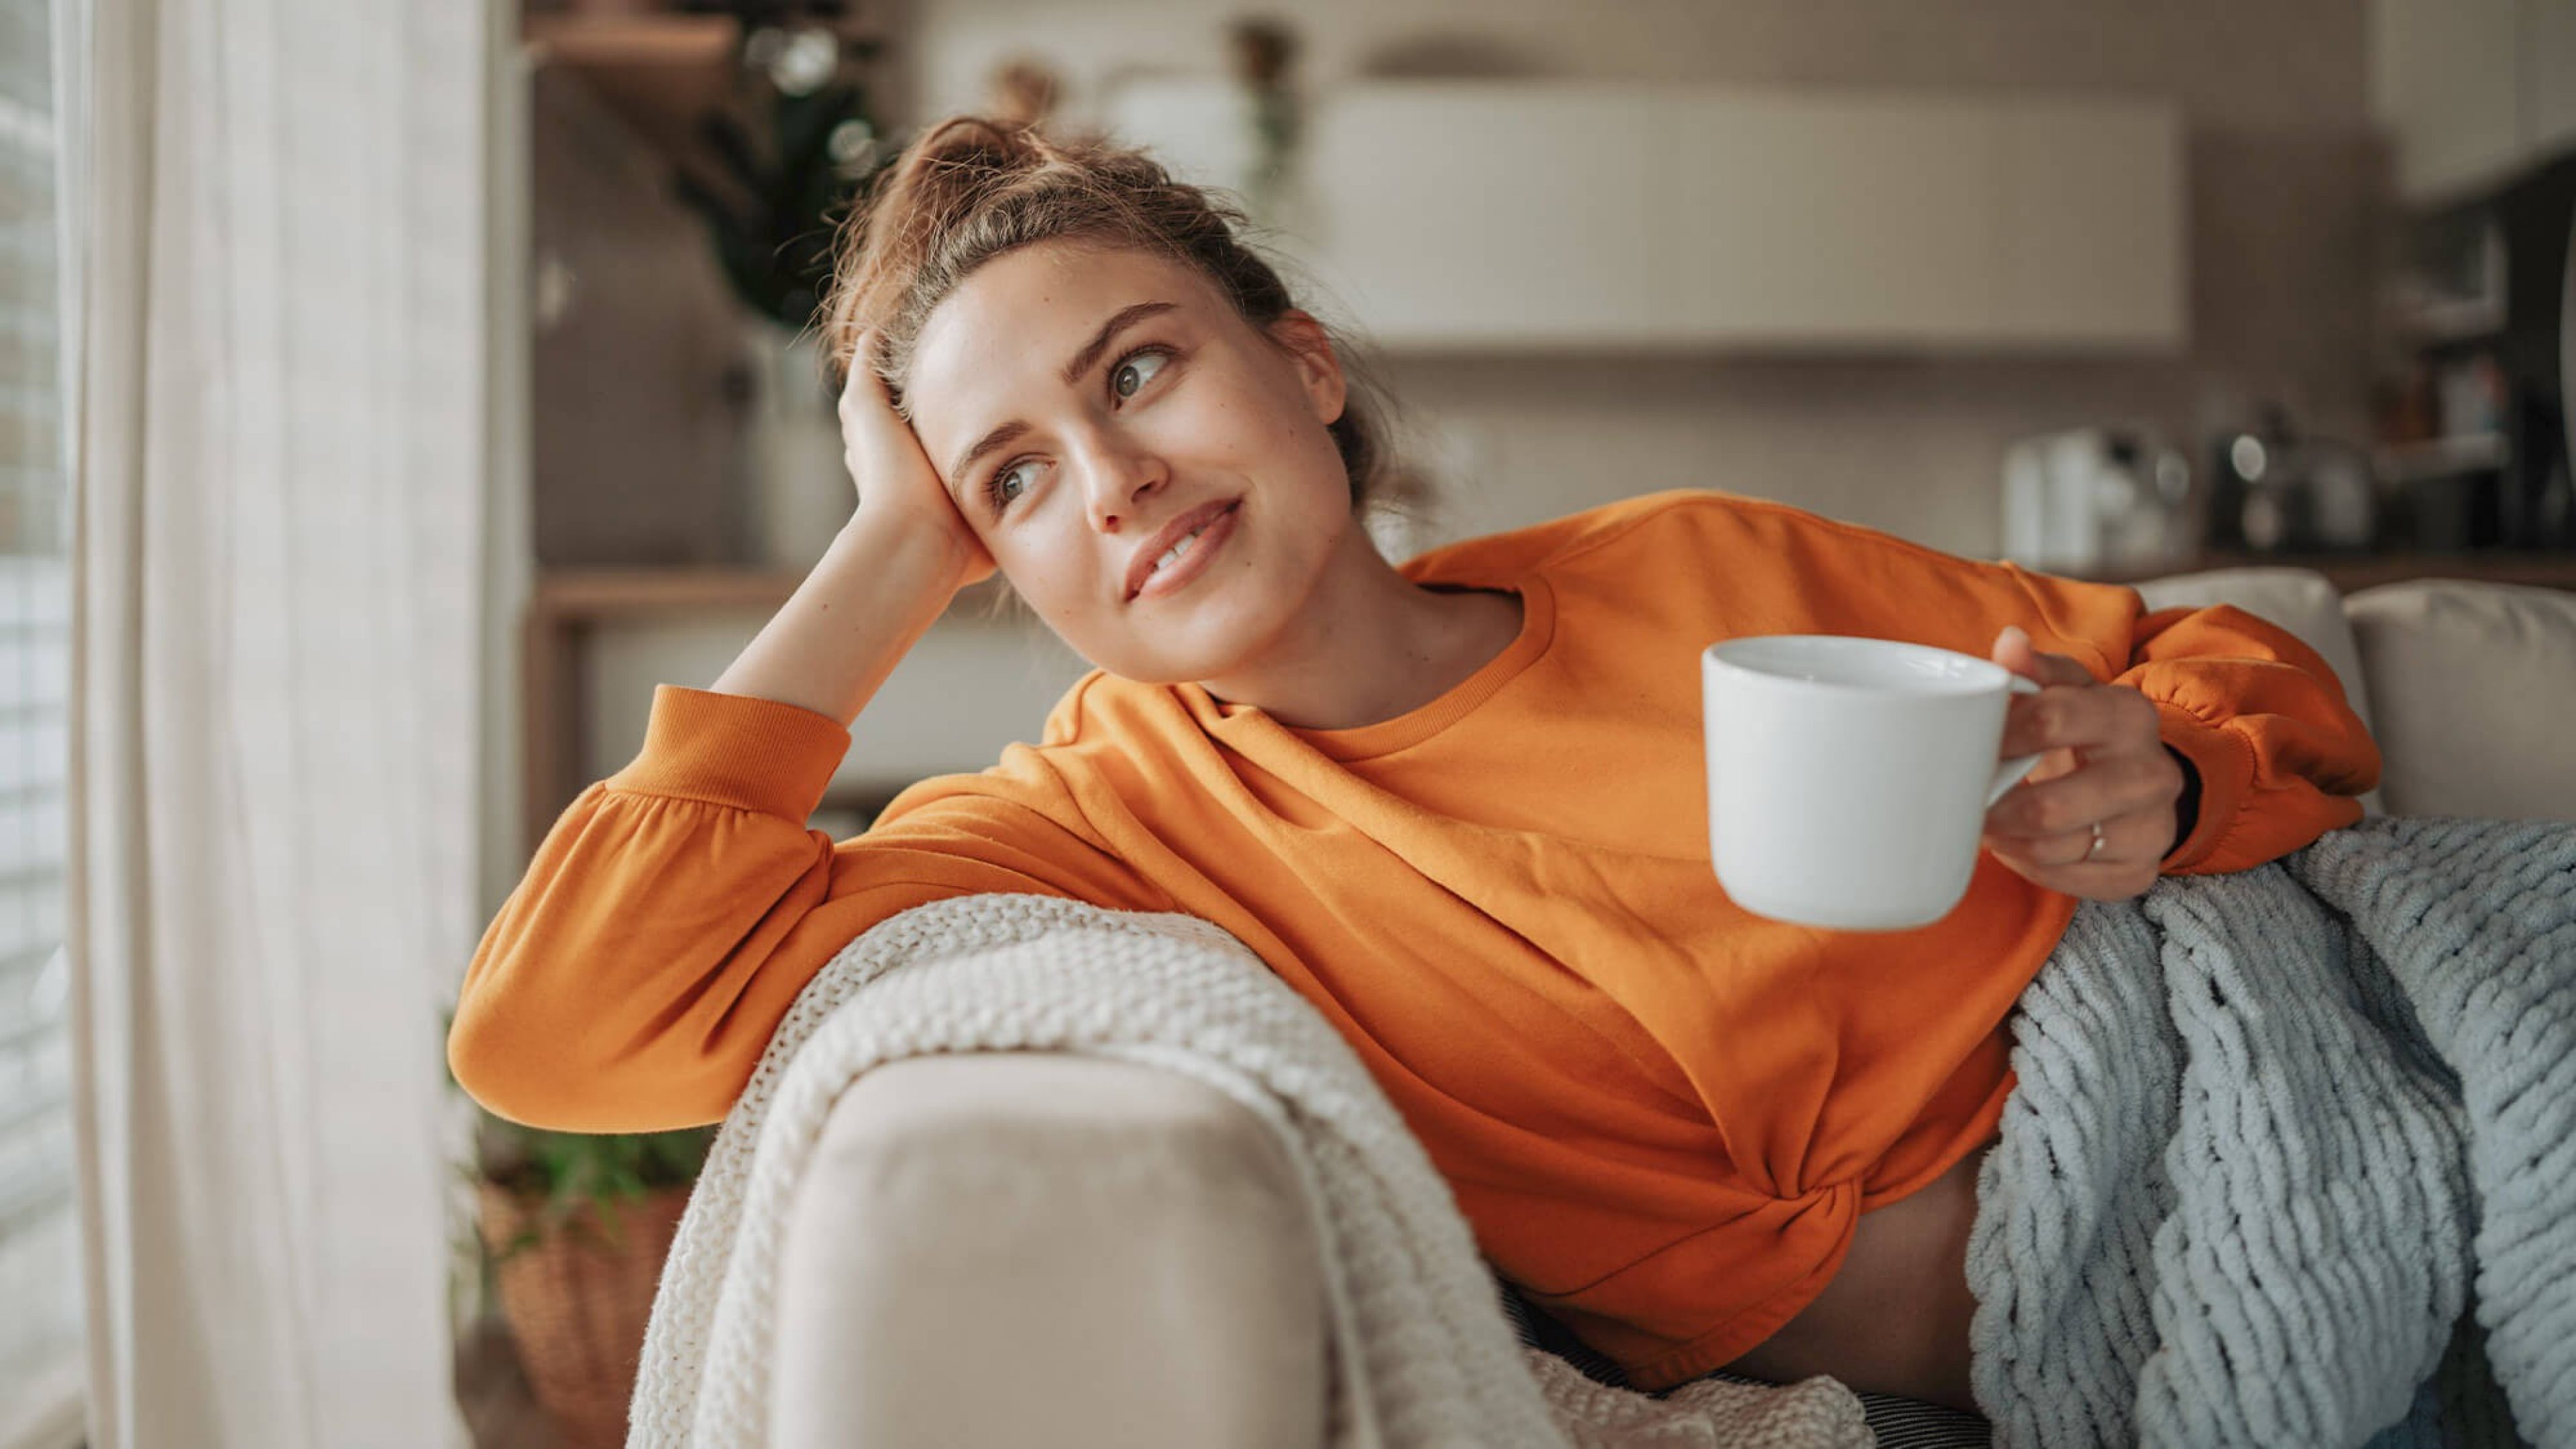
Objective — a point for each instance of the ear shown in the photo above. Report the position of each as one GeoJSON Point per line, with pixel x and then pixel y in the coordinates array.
{"type": "Point", "coordinates": [1319, 371]}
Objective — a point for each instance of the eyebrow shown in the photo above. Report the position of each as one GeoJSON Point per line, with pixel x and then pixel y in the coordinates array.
{"type": "Point", "coordinates": [1082, 362]}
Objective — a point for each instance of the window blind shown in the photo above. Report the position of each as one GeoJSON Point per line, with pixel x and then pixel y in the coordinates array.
{"type": "Point", "coordinates": [40, 1329]}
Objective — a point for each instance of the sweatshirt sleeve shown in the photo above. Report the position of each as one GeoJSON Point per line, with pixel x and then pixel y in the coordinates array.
{"type": "Point", "coordinates": [2261, 718]}
{"type": "Point", "coordinates": [674, 911]}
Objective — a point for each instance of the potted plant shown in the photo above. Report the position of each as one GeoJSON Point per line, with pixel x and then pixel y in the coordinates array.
{"type": "Point", "coordinates": [574, 1228]}
{"type": "Point", "coordinates": [771, 177]}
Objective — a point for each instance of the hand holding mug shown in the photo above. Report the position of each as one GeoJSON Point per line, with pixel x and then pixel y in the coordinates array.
{"type": "Point", "coordinates": [2095, 818]}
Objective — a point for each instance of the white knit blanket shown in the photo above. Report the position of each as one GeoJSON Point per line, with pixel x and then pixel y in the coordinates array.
{"type": "Point", "coordinates": [1422, 1354]}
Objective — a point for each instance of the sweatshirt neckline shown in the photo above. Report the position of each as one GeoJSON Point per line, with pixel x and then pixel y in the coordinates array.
{"type": "Point", "coordinates": [1538, 629]}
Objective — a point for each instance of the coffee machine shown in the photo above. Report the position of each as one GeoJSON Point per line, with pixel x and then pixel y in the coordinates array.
{"type": "Point", "coordinates": [2113, 500]}
{"type": "Point", "coordinates": [2276, 489]}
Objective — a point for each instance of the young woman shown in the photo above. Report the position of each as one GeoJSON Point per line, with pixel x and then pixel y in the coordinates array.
{"type": "Point", "coordinates": [1456, 803]}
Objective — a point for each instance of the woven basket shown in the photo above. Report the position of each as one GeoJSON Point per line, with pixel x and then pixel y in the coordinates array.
{"type": "Point", "coordinates": [577, 1309]}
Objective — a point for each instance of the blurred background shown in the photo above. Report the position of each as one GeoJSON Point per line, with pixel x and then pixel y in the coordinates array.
{"type": "Point", "coordinates": [2114, 290]}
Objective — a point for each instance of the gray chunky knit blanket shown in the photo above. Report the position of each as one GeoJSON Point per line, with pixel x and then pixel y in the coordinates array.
{"type": "Point", "coordinates": [2293, 1156]}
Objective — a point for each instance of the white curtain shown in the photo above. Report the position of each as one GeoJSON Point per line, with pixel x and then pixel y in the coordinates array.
{"type": "Point", "coordinates": [279, 213]}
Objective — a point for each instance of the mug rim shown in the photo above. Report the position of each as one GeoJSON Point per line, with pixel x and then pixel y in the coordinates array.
{"type": "Point", "coordinates": [1986, 674]}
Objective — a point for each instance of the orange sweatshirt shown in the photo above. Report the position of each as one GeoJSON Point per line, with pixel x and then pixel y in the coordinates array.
{"type": "Point", "coordinates": [1661, 1115]}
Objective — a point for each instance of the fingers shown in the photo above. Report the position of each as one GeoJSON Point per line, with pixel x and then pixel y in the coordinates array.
{"type": "Point", "coordinates": [2128, 837]}
{"type": "Point", "coordinates": [2115, 772]}
{"type": "Point", "coordinates": [2013, 650]}
{"type": "Point", "coordinates": [2072, 709]}
{"type": "Point", "coordinates": [888, 465]}
{"type": "Point", "coordinates": [881, 445]}
{"type": "Point", "coordinates": [860, 385]}
{"type": "Point", "coordinates": [2127, 865]}
{"type": "Point", "coordinates": [2096, 718]}
{"type": "Point", "coordinates": [2045, 818]}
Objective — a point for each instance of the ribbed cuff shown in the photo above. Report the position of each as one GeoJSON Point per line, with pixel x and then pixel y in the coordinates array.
{"type": "Point", "coordinates": [2226, 766]}
{"type": "Point", "coordinates": [736, 750]}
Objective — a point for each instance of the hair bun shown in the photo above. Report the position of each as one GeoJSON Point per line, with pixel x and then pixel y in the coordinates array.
{"type": "Point", "coordinates": [976, 143]}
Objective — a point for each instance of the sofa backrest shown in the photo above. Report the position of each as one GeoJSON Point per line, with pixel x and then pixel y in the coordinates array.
{"type": "Point", "coordinates": [2473, 689]}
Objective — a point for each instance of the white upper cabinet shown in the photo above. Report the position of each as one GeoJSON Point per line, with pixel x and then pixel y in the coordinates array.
{"type": "Point", "coordinates": [2090, 250]}
{"type": "Point", "coordinates": [2549, 48]}
{"type": "Point", "coordinates": [2445, 84]}
{"type": "Point", "coordinates": [1859, 221]}
{"type": "Point", "coordinates": [1460, 216]}
{"type": "Point", "coordinates": [1452, 218]}
{"type": "Point", "coordinates": [2471, 91]}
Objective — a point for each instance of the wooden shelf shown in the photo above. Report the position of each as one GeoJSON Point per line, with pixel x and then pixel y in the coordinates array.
{"type": "Point", "coordinates": [653, 40]}
{"type": "Point", "coordinates": [2453, 321]}
{"type": "Point", "coordinates": [2351, 573]}
{"type": "Point", "coordinates": [594, 595]}
{"type": "Point", "coordinates": [2444, 457]}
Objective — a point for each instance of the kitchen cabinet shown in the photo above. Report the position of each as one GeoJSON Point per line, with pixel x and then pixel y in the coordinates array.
{"type": "Point", "coordinates": [1463, 218]}
{"type": "Point", "coordinates": [1859, 220]}
{"type": "Point", "coordinates": [2470, 91]}
{"type": "Point", "coordinates": [1469, 215]}
{"type": "Point", "coordinates": [2549, 61]}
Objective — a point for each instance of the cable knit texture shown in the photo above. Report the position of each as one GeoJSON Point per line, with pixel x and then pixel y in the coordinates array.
{"type": "Point", "coordinates": [1423, 1352]}
{"type": "Point", "coordinates": [2292, 1158]}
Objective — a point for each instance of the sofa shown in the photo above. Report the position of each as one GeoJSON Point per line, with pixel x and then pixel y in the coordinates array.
{"type": "Point", "coordinates": [1042, 1248]}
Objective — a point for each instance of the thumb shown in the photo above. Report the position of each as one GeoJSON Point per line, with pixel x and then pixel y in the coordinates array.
{"type": "Point", "coordinates": [2013, 651]}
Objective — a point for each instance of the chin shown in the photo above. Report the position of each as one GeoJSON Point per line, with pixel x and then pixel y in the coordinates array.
{"type": "Point", "coordinates": [1166, 670]}
{"type": "Point", "coordinates": [1215, 647]}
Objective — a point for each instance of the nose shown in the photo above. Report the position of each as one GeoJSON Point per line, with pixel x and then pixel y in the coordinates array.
{"type": "Point", "coordinates": [1117, 477]}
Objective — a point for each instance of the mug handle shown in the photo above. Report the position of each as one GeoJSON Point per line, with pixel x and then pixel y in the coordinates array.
{"type": "Point", "coordinates": [2009, 773]}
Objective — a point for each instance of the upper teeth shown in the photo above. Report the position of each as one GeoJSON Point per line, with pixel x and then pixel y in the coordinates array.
{"type": "Point", "coordinates": [1176, 550]}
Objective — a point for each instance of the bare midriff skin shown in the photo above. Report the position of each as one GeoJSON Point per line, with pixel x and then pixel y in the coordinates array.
{"type": "Point", "coordinates": [1894, 1320]}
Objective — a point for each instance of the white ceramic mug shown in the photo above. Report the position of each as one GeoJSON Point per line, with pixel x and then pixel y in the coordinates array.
{"type": "Point", "coordinates": [1849, 778]}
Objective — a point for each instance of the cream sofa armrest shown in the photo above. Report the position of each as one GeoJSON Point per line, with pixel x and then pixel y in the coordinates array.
{"type": "Point", "coordinates": [1047, 1248]}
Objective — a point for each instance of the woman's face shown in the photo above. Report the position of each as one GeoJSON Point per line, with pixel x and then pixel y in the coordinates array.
{"type": "Point", "coordinates": [1107, 395]}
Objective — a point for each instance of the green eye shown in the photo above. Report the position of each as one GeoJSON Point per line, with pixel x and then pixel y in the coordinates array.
{"type": "Point", "coordinates": [1127, 379]}
{"type": "Point", "coordinates": [1150, 359]}
{"type": "Point", "coordinates": [1000, 480]}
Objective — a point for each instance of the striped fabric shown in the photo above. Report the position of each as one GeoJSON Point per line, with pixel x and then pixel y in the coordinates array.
{"type": "Point", "coordinates": [1898, 1423]}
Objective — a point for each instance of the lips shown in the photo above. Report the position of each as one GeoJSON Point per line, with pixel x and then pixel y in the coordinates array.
{"type": "Point", "coordinates": [1140, 564]}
